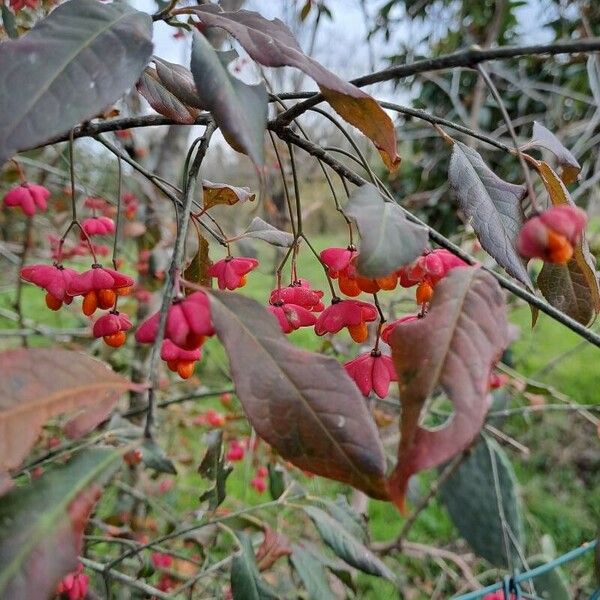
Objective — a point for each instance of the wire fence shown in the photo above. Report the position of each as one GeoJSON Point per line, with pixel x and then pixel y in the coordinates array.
{"type": "Point", "coordinates": [511, 585]}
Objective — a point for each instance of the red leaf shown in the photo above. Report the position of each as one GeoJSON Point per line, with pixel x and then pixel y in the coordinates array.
{"type": "Point", "coordinates": [303, 404]}
{"type": "Point", "coordinates": [453, 348]}
{"type": "Point", "coordinates": [40, 383]}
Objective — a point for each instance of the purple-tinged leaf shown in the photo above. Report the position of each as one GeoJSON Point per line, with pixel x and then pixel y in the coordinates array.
{"type": "Point", "coordinates": [271, 43]}
{"type": "Point", "coordinates": [75, 62]}
{"type": "Point", "coordinates": [162, 100]}
{"type": "Point", "coordinates": [303, 404]}
{"type": "Point", "coordinates": [37, 384]}
{"type": "Point", "coordinates": [493, 207]}
{"type": "Point", "coordinates": [239, 109]}
{"type": "Point", "coordinates": [544, 138]}
{"type": "Point", "coordinates": [454, 347]}
{"type": "Point", "coordinates": [179, 81]}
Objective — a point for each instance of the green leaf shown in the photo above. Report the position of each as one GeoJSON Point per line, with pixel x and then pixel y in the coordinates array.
{"type": "Point", "coordinates": [154, 457]}
{"type": "Point", "coordinates": [346, 546]}
{"type": "Point", "coordinates": [388, 239]}
{"type": "Point", "coordinates": [550, 585]}
{"type": "Point", "coordinates": [9, 22]}
{"type": "Point", "coordinates": [492, 205]}
{"type": "Point", "coordinates": [277, 478]}
{"type": "Point", "coordinates": [246, 582]}
{"type": "Point", "coordinates": [311, 573]}
{"type": "Point", "coordinates": [239, 109]}
{"type": "Point", "coordinates": [341, 511]}
{"type": "Point", "coordinates": [301, 403]}
{"type": "Point", "coordinates": [482, 495]}
{"type": "Point", "coordinates": [214, 468]}
{"type": "Point", "coordinates": [261, 230]}
{"type": "Point", "coordinates": [41, 524]}
{"type": "Point", "coordinates": [74, 63]}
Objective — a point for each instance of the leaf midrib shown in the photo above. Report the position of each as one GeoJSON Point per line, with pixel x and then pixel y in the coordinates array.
{"type": "Point", "coordinates": [61, 69]}
{"type": "Point", "coordinates": [299, 394]}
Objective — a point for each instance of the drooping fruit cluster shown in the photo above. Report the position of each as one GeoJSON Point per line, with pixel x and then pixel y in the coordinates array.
{"type": "Point", "coordinates": [298, 305]}
{"type": "Point", "coordinates": [231, 272]}
{"type": "Point", "coordinates": [99, 287]}
{"type": "Point", "coordinates": [188, 323]}
{"type": "Point", "coordinates": [427, 271]}
{"type": "Point", "coordinates": [340, 263]}
{"type": "Point", "coordinates": [259, 481]}
{"type": "Point", "coordinates": [74, 586]}
{"type": "Point", "coordinates": [30, 197]}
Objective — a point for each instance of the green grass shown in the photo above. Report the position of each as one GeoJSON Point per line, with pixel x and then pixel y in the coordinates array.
{"type": "Point", "coordinates": [560, 490]}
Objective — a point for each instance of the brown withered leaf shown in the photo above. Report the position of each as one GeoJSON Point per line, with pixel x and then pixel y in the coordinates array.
{"type": "Point", "coordinates": [162, 100]}
{"type": "Point", "coordinates": [301, 403]}
{"type": "Point", "coordinates": [215, 194]}
{"type": "Point", "coordinates": [453, 348]}
{"type": "Point", "coordinates": [273, 547]}
{"type": "Point", "coordinates": [544, 138]}
{"type": "Point", "coordinates": [573, 287]}
{"type": "Point", "coordinates": [197, 271]}
{"type": "Point", "coordinates": [37, 384]}
{"type": "Point", "coordinates": [492, 205]}
{"type": "Point", "coordinates": [272, 44]}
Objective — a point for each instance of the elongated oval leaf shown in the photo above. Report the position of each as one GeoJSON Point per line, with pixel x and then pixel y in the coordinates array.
{"type": "Point", "coordinates": [454, 347]}
{"type": "Point", "coordinates": [544, 138]}
{"type": "Point", "coordinates": [271, 43]}
{"type": "Point", "coordinates": [261, 230]}
{"type": "Point", "coordinates": [239, 109]}
{"type": "Point", "coordinates": [573, 287]}
{"type": "Point", "coordinates": [301, 403]}
{"type": "Point", "coordinates": [246, 582]}
{"type": "Point", "coordinates": [39, 383]}
{"type": "Point", "coordinates": [179, 81]}
{"type": "Point", "coordinates": [388, 240]}
{"type": "Point", "coordinates": [492, 205]}
{"type": "Point", "coordinates": [312, 573]}
{"type": "Point", "coordinates": [346, 546]}
{"type": "Point", "coordinates": [68, 68]}
{"type": "Point", "coordinates": [481, 497]}
{"type": "Point", "coordinates": [41, 524]}
{"type": "Point", "coordinates": [162, 100]}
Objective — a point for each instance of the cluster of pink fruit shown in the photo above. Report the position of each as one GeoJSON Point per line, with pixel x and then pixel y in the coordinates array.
{"type": "Point", "coordinates": [550, 235]}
